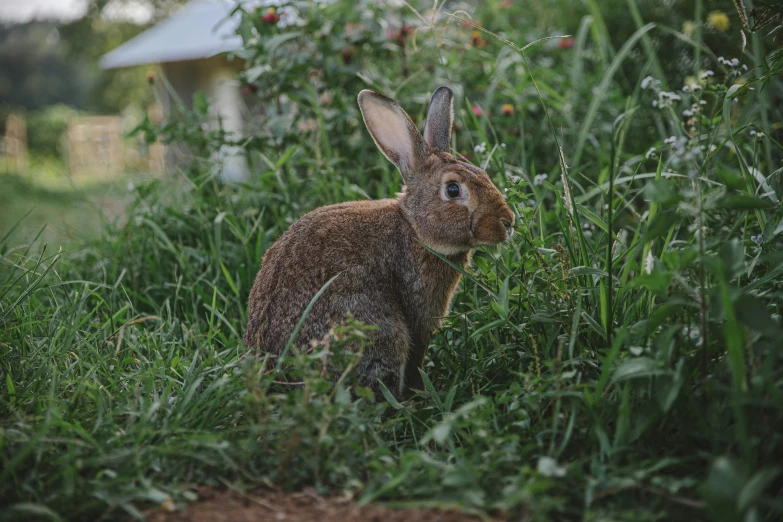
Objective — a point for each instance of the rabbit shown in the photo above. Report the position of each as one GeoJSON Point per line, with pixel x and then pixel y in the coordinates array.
{"type": "Point", "coordinates": [385, 275]}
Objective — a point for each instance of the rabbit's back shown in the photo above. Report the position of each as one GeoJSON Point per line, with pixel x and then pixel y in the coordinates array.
{"type": "Point", "coordinates": [362, 241]}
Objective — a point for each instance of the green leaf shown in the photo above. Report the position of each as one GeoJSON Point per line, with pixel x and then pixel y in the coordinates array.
{"type": "Point", "coordinates": [660, 225]}
{"type": "Point", "coordinates": [282, 160]}
{"type": "Point", "coordinates": [668, 388]}
{"type": "Point", "coordinates": [389, 396]}
{"type": "Point", "coordinates": [735, 201]}
{"type": "Point", "coordinates": [502, 298]}
{"type": "Point", "coordinates": [637, 367]}
{"type": "Point", "coordinates": [9, 384]}
{"type": "Point", "coordinates": [662, 191]}
{"type": "Point", "coordinates": [732, 254]}
{"type": "Point", "coordinates": [656, 281]}
{"type": "Point", "coordinates": [229, 279]}
{"type": "Point", "coordinates": [754, 314]}
{"type": "Point", "coordinates": [200, 103]}
{"type": "Point", "coordinates": [433, 393]}
{"type": "Point", "coordinates": [273, 43]}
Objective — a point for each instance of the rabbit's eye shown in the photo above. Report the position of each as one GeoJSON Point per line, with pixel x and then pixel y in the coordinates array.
{"type": "Point", "coordinates": [452, 190]}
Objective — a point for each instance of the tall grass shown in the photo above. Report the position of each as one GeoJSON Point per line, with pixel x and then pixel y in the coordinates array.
{"type": "Point", "coordinates": [619, 359]}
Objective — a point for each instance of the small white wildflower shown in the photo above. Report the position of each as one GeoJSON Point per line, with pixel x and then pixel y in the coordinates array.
{"type": "Point", "coordinates": [687, 112]}
{"type": "Point", "coordinates": [646, 82]}
{"type": "Point", "coordinates": [502, 145]}
{"type": "Point", "coordinates": [685, 88]}
{"type": "Point", "coordinates": [539, 179]}
{"type": "Point", "coordinates": [702, 102]}
{"type": "Point", "coordinates": [712, 148]}
{"type": "Point", "coordinates": [707, 74]}
{"type": "Point", "coordinates": [649, 153]}
{"type": "Point", "coordinates": [655, 103]}
{"type": "Point", "coordinates": [756, 239]}
{"type": "Point", "coordinates": [549, 467]}
{"type": "Point", "coordinates": [480, 148]}
{"type": "Point", "coordinates": [649, 263]}
{"type": "Point", "coordinates": [734, 62]}
{"type": "Point", "coordinates": [671, 140]}
{"type": "Point", "coordinates": [744, 67]}
{"type": "Point", "coordinates": [752, 132]}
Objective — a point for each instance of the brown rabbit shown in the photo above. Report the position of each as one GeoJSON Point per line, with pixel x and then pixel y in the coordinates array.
{"type": "Point", "coordinates": [386, 277]}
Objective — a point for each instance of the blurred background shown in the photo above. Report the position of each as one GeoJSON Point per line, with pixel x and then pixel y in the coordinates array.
{"type": "Point", "coordinates": [78, 76]}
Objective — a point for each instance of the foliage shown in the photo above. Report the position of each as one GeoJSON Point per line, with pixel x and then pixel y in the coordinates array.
{"type": "Point", "coordinates": [46, 130]}
{"type": "Point", "coordinates": [619, 359]}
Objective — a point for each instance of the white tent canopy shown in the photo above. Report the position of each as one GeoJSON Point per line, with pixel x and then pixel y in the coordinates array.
{"type": "Point", "coordinates": [200, 29]}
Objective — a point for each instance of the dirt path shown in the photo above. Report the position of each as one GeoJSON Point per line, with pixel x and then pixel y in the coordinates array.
{"type": "Point", "coordinates": [270, 506]}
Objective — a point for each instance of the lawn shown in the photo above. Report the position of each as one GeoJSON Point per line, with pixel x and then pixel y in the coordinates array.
{"type": "Point", "coordinates": [44, 204]}
{"type": "Point", "coordinates": [618, 359]}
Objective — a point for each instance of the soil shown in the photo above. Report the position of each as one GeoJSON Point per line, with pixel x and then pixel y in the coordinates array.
{"type": "Point", "coordinates": [306, 506]}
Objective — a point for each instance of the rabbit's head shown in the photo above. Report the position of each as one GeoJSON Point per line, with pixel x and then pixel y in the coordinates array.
{"type": "Point", "coordinates": [452, 205]}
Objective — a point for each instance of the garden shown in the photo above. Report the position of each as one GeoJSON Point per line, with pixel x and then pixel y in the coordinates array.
{"type": "Point", "coordinates": [619, 358]}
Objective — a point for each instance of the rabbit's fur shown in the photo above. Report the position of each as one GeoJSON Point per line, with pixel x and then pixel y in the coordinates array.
{"type": "Point", "coordinates": [385, 277]}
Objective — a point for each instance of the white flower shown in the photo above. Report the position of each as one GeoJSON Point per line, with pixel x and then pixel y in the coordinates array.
{"type": "Point", "coordinates": [649, 153]}
{"type": "Point", "coordinates": [649, 263]}
{"type": "Point", "coordinates": [744, 67]}
{"type": "Point", "coordinates": [480, 148]}
{"type": "Point", "coordinates": [646, 82]}
{"type": "Point", "coordinates": [734, 62]}
{"type": "Point", "coordinates": [707, 74]}
{"type": "Point", "coordinates": [671, 140]}
{"type": "Point", "coordinates": [685, 88]}
{"type": "Point", "coordinates": [712, 148]}
{"type": "Point", "coordinates": [549, 467]}
{"type": "Point", "coordinates": [539, 179]}
{"type": "Point", "coordinates": [702, 102]}
{"type": "Point", "coordinates": [687, 112]}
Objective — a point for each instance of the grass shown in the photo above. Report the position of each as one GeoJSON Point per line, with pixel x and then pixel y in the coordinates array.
{"type": "Point", "coordinates": [59, 211]}
{"type": "Point", "coordinates": [618, 360]}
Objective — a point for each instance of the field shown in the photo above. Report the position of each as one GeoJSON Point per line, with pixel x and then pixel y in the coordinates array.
{"type": "Point", "coordinates": [618, 359]}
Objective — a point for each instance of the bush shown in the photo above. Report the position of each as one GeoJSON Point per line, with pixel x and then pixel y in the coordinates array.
{"type": "Point", "coordinates": [46, 130]}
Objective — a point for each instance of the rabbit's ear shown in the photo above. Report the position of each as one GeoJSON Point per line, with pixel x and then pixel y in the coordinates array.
{"type": "Point", "coordinates": [437, 130]}
{"type": "Point", "coordinates": [393, 131]}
